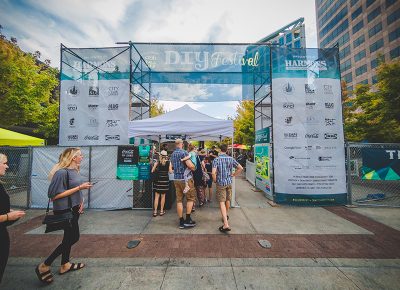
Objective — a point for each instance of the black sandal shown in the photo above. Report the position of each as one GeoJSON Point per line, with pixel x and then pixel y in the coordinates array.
{"type": "Point", "coordinates": [41, 276]}
{"type": "Point", "coordinates": [73, 268]}
{"type": "Point", "coordinates": [224, 230]}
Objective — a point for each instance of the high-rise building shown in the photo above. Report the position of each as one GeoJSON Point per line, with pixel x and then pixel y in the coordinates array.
{"type": "Point", "coordinates": [365, 30]}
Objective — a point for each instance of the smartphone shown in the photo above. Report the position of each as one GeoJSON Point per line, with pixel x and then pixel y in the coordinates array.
{"type": "Point", "coordinates": [93, 183]}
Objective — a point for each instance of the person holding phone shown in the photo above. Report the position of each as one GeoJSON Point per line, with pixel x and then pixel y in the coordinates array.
{"type": "Point", "coordinates": [7, 217]}
{"type": "Point", "coordinates": [66, 181]}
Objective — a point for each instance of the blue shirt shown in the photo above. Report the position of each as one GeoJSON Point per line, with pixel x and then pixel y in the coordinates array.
{"type": "Point", "coordinates": [177, 165]}
{"type": "Point", "coordinates": [224, 165]}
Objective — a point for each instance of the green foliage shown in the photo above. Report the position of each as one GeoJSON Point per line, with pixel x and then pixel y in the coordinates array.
{"type": "Point", "coordinates": [374, 114]}
{"type": "Point", "coordinates": [156, 108]}
{"type": "Point", "coordinates": [244, 123]}
{"type": "Point", "coordinates": [27, 90]}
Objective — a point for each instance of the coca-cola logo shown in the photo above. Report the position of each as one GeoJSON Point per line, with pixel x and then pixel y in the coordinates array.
{"type": "Point", "coordinates": [312, 135]}
{"type": "Point", "coordinates": [92, 137]}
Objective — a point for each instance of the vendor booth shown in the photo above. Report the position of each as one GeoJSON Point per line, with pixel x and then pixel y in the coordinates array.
{"type": "Point", "coordinates": [11, 138]}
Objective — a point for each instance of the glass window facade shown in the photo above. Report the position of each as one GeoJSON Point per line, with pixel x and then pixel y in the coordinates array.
{"type": "Point", "coordinates": [359, 41]}
{"type": "Point", "coordinates": [394, 34]}
{"type": "Point", "coordinates": [370, 2]}
{"type": "Point", "coordinates": [372, 15]}
{"type": "Point", "coordinates": [376, 45]}
{"type": "Point", "coordinates": [348, 78]}
{"type": "Point", "coordinates": [358, 26]}
{"type": "Point", "coordinates": [335, 33]}
{"type": "Point", "coordinates": [297, 44]}
{"type": "Point", "coordinates": [353, 2]}
{"type": "Point", "coordinates": [393, 17]}
{"type": "Point", "coordinates": [356, 13]}
{"type": "Point", "coordinates": [364, 82]}
{"type": "Point", "coordinates": [346, 65]}
{"type": "Point", "coordinates": [344, 52]}
{"type": "Point", "coordinates": [335, 20]}
{"type": "Point", "coordinates": [331, 10]}
{"type": "Point", "coordinates": [395, 52]}
{"type": "Point", "coordinates": [359, 56]}
{"type": "Point", "coordinates": [360, 70]}
{"type": "Point", "coordinates": [374, 30]}
{"type": "Point", "coordinates": [374, 79]}
{"type": "Point", "coordinates": [390, 2]}
{"type": "Point", "coordinates": [375, 62]}
{"type": "Point", "coordinates": [288, 37]}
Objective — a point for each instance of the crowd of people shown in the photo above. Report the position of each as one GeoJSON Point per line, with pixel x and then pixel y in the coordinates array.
{"type": "Point", "coordinates": [193, 172]}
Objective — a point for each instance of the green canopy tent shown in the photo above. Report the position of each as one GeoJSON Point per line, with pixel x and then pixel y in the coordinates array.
{"type": "Point", "coordinates": [11, 138]}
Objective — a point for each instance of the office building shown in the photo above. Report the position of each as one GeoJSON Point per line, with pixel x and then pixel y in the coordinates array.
{"type": "Point", "coordinates": [365, 30]}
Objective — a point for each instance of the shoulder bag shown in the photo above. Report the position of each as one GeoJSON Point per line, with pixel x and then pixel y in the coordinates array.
{"type": "Point", "coordinates": [57, 222]}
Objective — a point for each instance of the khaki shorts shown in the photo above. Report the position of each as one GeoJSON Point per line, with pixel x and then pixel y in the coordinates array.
{"type": "Point", "coordinates": [224, 193]}
{"type": "Point", "coordinates": [179, 187]}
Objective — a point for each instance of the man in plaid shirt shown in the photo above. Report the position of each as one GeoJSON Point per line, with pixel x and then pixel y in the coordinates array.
{"type": "Point", "coordinates": [222, 167]}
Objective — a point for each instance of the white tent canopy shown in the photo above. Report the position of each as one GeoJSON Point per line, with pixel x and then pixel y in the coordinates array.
{"type": "Point", "coordinates": [182, 121]}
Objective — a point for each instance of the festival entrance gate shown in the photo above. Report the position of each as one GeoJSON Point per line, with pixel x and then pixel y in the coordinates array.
{"type": "Point", "coordinates": [299, 149]}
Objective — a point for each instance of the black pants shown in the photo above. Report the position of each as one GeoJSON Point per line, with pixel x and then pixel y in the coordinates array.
{"type": "Point", "coordinates": [4, 250]}
{"type": "Point", "coordinates": [71, 236]}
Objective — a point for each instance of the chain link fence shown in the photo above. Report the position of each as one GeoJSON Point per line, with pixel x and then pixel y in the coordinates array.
{"type": "Point", "coordinates": [369, 189]}
{"type": "Point", "coordinates": [16, 181]}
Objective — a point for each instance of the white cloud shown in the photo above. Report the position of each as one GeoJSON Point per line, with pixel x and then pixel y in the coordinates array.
{"type": "Point", "coordinates": [181, 92]}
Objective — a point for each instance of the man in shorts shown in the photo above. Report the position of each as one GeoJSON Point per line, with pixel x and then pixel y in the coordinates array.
{"type": "Point", "coordinates": [222, 167]}
{"type": "Point", "coordinates": [179, 168]}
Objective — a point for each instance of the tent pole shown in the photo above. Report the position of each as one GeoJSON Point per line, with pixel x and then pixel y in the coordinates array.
{"type": "Point", "coordinates": [233, 202]}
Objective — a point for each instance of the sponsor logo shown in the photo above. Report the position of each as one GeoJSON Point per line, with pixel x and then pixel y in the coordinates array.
{"type": "Point", "coordinates": [290, 135]}
{"type": "Point", "coordinates": [311, 135]}
{"type": "Point", "coordinates": [330, 122]}
{"type": "Point", "coordinates": [93, 137]}
{"type": "Point", "coordinates": [288, 105]}
{"type": "Point", "coordinates": [318, 147]}
{"type": "Point", "coordinates": [292, 147]}
{"type": "Point", "coordinates": [288, 121]}
{"type": "Point", "coordinates": [72, 122]}
{"type": "Point", "coordinates": [308, 147]}
{"type": "Point", "coordinates": [112, 123]}
{"type": "Point", "coordinates": [309, 89]}
{"type": "Point", "coordinates": [112, 91]}
{"type": "Point", "coordinates": [93, 122]}
{"type": "Point", "coordinates": [92, 107]}
{"type": "Point", "coordinates": [305, 65]}
{"type": "Point", "coordinates": [312, 120]}
{"type": "Point", "coordinates": [310, 105]}
{"type": "Point", "coordinates": [299, 158]}
{"type": "Point", "coordinates": [112, 137]}
{"type": "Point", "coordinates": [328, 90]}
{"type": "Point", "coordinates": [329, 105]}
{"type": "Point", "coordinates": [73, 91]}
{"type": "Point", "coordinates": [72, 137]}
{"type": "Point", "coordinates": [112, 107]}
{"type": "Point", "coordinates": [72, 107]}
{"type": "Point", "coordinates": [329, 147]}
{"type": "Point", "coordinates": [330, 136]}
{"type": "Point", "coordinates": [324, 158]}
{"type": "Point", "coordinates": [93, 91]}
{"type": "Point", "coordinates": [288, 88]}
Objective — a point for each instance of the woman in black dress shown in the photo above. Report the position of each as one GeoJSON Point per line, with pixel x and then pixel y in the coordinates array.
{"type": "Point", "coordinates": [7, 217]}
{"type": "Point", "coordinates": [161, 184]}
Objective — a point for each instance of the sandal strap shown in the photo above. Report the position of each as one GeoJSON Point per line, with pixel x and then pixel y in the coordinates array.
{"type": "Point", "coordinates": [44, 273]}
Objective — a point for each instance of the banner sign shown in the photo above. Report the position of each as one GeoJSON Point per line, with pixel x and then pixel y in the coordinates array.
{"type": "Point", "coordinates": [380, 163]}
{"type": "Point", "coordinates": [263, 136]}
{"type": "Point", "coordinates": [127, 161]}
{"type": "Point", "coordinates": [262, 162]}
{"type": "Point", "coordinates": [94, 102]}
{"type": "Point", "coordinates": [174, 137]}
{"type": "Point", "coordinates": [144, 171]}
{"type": "Point", "coordinates": [308, 138]}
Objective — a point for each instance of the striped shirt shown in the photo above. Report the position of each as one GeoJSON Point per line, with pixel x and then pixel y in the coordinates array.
{"type": "Point", "coordinates": [177, 165]}
{"type": "Point", "coordinates": [224, 165]}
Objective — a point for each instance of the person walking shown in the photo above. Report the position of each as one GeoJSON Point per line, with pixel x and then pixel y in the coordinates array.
{"type": "Point", "coordinates": [178, 167]}
{"type": "Point", "coordinates": [161, 185]}
{"type": "Point", "coordinates": [7, 217]}
{"type": "Point", "coordinates": [66, 183]}
{"type": "Point", "coordinates": [222, 167]}
{"type": "Point", "coordinates": [208, 167]}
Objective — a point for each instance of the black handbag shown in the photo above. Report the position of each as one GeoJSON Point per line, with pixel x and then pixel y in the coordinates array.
{"type": "Point", "coordinates": [57, 222]}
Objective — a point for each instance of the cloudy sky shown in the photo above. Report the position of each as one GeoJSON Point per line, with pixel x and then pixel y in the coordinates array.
{"type": "Point", "coordinates": [44, 24]}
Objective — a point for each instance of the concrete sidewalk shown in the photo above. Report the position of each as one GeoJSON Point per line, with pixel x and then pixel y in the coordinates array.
{"type": "Point", "coordinates": [312, 248]}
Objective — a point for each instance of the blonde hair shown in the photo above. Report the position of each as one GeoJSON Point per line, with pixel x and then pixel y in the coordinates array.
{"type": "Point", "coordinates": [65, 160]}
{"type": "Point", "coordinates": [163, 159]}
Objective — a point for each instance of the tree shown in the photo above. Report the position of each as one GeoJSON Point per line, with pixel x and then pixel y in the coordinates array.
{"type": "Point", "coordinates": [373, 114]}
{"type": "Point", "coordinates": [156, 108]}
{"type": "Point", "coordinates": [27, 96]}
{"type": "Point", "coordinates": [244, 123]}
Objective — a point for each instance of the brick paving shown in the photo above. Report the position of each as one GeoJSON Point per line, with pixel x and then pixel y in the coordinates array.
{"type": "Point", "coordinates": [383, 244]}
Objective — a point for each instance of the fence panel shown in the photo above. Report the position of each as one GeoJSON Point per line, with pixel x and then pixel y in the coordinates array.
{"type": "Point", "coordinates": [364, 190]}
{"type": "Point", "coordinates": [251, 172]}
{"type": "Point", "coordinates": [16, 179]}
